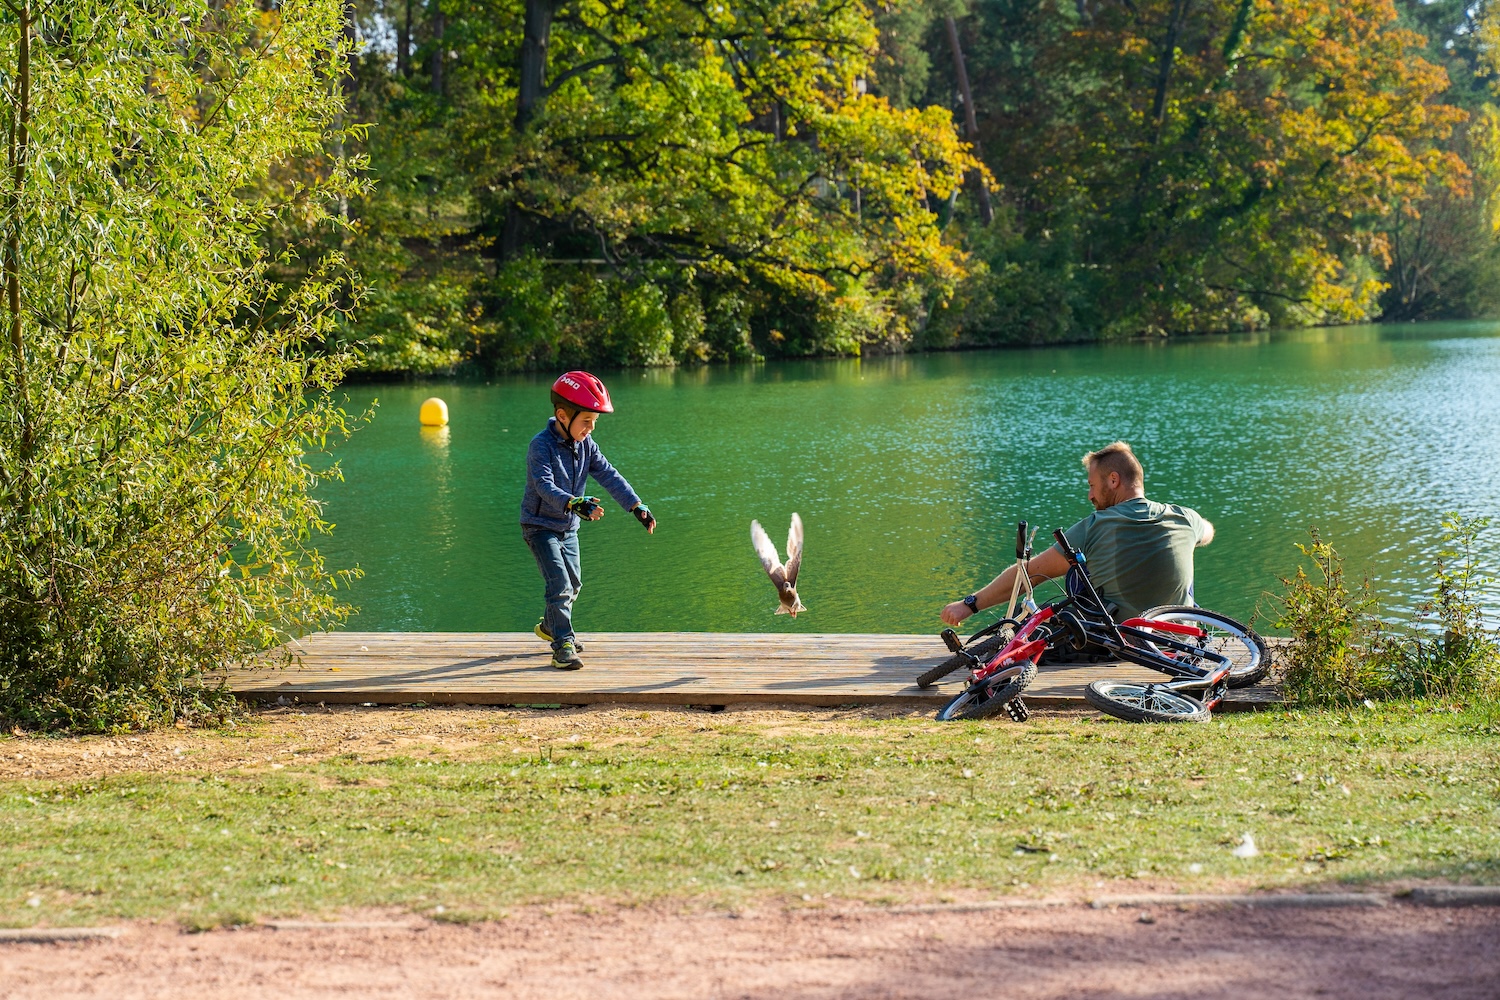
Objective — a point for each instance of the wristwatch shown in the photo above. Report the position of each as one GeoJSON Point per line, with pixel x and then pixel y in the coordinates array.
{"type": "Point", "coordinates": [973, 604]}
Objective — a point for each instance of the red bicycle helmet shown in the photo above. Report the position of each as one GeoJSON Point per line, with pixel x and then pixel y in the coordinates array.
{"type": "Point", "coordinates": [581, 391]}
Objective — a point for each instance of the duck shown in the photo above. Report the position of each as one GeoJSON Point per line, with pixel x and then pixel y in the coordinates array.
{"type": "Point", "coordinates": [784, 576]}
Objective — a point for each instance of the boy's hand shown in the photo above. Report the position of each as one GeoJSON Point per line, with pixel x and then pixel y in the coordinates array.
{"type": "Point", "coordinates": [587, 508]}
{"type": "Point", "coordinates": [643, 514]}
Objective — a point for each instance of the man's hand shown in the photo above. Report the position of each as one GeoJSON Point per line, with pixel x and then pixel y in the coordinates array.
{"type": "Point", "coordinates": [956, 613]}
{"type": "Point", "coordinates": [587, 508]}
{"type": "Point", "coordinates": [643, 514]}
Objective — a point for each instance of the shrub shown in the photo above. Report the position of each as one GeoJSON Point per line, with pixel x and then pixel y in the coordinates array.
{"type": "Point", "coordinates": [1342, 652]}
{"type": "Point", "coordinates": [161, 392]}
{"type": "Point", "coordinates": [1447, 652]}
{"type": "Point", "coordinates": [1334, 632]}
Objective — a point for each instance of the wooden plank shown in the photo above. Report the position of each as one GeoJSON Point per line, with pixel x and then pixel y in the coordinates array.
{"type": "Point", "coordinates": [684, 668]}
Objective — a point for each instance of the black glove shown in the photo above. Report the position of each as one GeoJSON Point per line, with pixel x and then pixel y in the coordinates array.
{"type": "Point", "coordinates": [586, 507]}
{"type": "Point", "coordinates": [643, 514]}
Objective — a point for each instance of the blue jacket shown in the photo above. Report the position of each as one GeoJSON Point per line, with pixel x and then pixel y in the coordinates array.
{"type": "Point", "coordinates": [558, 470]}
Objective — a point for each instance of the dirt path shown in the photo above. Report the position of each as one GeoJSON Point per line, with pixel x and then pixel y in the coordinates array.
{"type": "Point", "coordinates": [1072, 952]}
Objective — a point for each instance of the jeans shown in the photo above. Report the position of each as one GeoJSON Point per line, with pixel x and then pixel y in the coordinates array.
{"type": "Point", "coordinates": [557, 557]}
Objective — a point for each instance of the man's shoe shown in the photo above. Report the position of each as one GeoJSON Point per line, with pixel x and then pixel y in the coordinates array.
{"type": "Point", "coordinates": [565, 656]}
{"type": "Point", "coordinates": [545, 636]}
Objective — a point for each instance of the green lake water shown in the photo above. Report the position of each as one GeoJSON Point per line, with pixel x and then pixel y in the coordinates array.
{"type": "Point", "coordinates": [911, 472]}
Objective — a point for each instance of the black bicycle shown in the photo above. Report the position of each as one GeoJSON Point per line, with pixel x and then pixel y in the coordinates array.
{"type": "Point", "coordinates": [1203, 652]}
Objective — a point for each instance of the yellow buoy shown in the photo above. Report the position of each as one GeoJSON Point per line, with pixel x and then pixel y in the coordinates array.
{"type": "Point", "coordinates": [434, 413]}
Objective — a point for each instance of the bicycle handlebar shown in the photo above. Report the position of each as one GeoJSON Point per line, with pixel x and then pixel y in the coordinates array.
{"type": "Point", "coordinates": [1067, 550]}
{"type": "Point", "coordinates": [1021, 546]}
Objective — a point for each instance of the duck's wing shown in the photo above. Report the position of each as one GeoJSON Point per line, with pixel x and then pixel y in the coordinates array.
{"type": "Point", "coordinates": [767, 552]}
{"type": "Point", "coordinates": [794, 550]}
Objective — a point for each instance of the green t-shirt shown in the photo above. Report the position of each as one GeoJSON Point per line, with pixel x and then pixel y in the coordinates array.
{"type": "Point", "coordinates": [1140, 553]}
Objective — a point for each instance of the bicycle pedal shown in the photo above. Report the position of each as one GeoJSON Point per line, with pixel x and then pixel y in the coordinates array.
{"type": "Point", "coordinates": [1017, 710]}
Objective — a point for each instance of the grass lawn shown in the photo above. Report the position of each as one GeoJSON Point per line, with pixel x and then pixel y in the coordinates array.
{"type": "Point", "coordinates": [477, 810]}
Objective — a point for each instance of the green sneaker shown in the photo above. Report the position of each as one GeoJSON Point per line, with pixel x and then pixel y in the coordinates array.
{"type": "Point", "coordinates": [545, 636]}
{"type": "Point", "coordinates": [565, 657]}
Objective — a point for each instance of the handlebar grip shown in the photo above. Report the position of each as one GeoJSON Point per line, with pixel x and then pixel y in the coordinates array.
{"type": "Point", "coordinates": [1021, 540]}
{"type": "Point", "coordinates": [1062, 543]}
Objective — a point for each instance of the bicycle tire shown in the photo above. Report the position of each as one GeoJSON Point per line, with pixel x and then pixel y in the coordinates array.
{"type": "Point", "coordinates": [1137, 702]}
{"type": "Point", "coordinates": [1249, 658]}
{"type": "Point", "coordinates": [980, 701]}
{"type": "Point", "coordinates": [983, 649]}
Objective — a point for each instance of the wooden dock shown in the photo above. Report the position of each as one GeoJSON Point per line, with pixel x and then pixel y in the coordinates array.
{"type": "Point", "coordinates": [657, 668]}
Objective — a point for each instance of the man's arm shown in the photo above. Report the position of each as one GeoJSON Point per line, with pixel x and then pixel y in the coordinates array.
{"type": "Point", "coordinates": [1045, 565]}
{"type": "Point", "coordinates": [1208, 533]}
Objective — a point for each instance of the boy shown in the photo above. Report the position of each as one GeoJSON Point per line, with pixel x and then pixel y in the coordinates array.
{"type": "Point", "coordinates": [558, 465]}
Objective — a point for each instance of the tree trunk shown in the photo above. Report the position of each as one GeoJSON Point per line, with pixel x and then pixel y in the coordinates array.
{"type": "Point", "coordinates": [971, 122]}
{"type": "Point", "coordinates": [347, 87]}
{"type": "Point", "coordinates": [20, 140]}
{"type": "Point", "coordinates": [537, 33]}
{"type": "Point", "coordinates": [437, 63]}
{"type": "Point", "coordinates": [403, 43]}
{"type": "Point", "coordinates": [351, 38]}
{"type": "Point", "coordinates": [19, 154]}
{"type": "Point", "coordinates": [530, 95]}
{"type": "Point", "coordinates": [1165, 64]}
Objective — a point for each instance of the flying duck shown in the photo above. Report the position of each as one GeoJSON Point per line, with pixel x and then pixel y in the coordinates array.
{"type": "Point", "coordinates": [784, 576]}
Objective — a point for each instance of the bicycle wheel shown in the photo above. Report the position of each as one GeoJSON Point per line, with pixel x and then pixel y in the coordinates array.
{"type": "Point", "coordinates": [980, 701]}
{"type": "Point", "coordinates": [1136, 702]}
{"type": "Point", "coordinates": [1249, 659]}
{"type": "Point", "coordinates": [983, 649]}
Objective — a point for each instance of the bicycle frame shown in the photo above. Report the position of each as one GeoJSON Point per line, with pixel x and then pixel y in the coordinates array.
{"type": "Point", "coordinates": [1022, 596]}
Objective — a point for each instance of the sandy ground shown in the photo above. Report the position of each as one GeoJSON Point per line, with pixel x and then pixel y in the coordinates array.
{"type": "Point", "coordinates": [284, 736]}
{"type": "Point", "coordinates": [1398, 951]}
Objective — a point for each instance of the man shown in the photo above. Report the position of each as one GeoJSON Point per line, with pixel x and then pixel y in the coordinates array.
{"type": "Point", "coordinates": [1139, 552]}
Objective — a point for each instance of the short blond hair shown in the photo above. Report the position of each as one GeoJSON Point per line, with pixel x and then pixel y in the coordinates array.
{"type": "Point", "coordinates": [1119, 459]}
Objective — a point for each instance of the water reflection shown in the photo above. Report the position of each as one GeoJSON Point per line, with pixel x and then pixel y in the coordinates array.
{"type": "Point", "coordinates": [911, 472]}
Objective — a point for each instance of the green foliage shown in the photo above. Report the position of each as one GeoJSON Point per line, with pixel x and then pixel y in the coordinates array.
{"type": "Point", "coordinates": [1342, 653]}
{"type": "Point", "coordinates": [1448, 651]}
{"type": "Point", "coordinates": [1162, 168]}
{"type": "Point", "coordinates": [1200, 167]}
{"type": "Point", "coordinates": [1334, 632]}
{"type": "Point", "coordinates": [162, 392]}
{"type": "Point", "coordinates": [730, 162]}
{"type": "Point", "coordinates": [1440, 256]}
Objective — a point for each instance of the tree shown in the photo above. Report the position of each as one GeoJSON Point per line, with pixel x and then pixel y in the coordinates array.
{"type": "Point", "coordinates": [1189, 165]}
{"type": "Point", "coordinates": [164, 396]}
{"type": "Point", "coordinates": [660, 181]}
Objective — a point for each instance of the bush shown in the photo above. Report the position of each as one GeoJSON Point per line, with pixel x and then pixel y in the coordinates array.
{"type": "Point", "coordinates": [1447, 652]}
{"type": "Point", "coordinates": [1334, 632]}
{"type": "Point", "coordinates": [161, 391]}
{"type": "Point", "coordinates": [1342, 652]}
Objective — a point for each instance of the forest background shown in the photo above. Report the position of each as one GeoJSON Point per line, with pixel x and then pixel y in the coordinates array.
{"type": "Point", "coordinates": [654, 182]}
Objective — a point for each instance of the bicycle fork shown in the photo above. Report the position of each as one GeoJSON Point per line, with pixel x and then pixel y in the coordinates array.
{"type": "Point", "coordinates": [1015, 708]}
